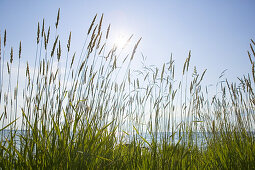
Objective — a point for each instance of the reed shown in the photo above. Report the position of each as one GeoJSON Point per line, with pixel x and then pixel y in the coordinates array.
{"type": "Point", "coordinates": [94, 117]}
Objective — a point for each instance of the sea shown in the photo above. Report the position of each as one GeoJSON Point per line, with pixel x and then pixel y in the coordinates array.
{"type": "Point", "coordinates": [196, 138]}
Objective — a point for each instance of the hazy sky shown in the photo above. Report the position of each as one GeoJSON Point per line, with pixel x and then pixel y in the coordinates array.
{"type": "Point", "coordinates": [217, 32]}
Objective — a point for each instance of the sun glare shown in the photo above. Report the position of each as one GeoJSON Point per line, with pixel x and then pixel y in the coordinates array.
{"type": "Point", "coordinates": [120, 40]}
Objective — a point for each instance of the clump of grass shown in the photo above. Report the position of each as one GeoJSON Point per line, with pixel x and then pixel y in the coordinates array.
{"type": "Point", "coordinates": [93, 117]}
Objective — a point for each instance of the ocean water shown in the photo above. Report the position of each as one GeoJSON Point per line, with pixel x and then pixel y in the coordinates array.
{"type": "Point", "coordinates": [6, 135]}
{"type": "Point", "coordinates": [196, 138]}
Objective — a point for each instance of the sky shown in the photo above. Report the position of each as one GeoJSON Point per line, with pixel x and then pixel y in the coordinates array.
{"type": "Point", "coordinates": [217, 32]}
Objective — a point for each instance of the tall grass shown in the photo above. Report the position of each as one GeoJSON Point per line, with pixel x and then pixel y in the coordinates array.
{"type": "Point", "coordinates": [100, 113]}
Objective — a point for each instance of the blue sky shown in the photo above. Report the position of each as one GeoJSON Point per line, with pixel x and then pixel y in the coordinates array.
{"type": "Point", "coordinates": [217, 32]}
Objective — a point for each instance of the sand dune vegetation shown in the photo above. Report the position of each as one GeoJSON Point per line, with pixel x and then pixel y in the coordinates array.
{"type": "Point", "coordinates": [91, 109]}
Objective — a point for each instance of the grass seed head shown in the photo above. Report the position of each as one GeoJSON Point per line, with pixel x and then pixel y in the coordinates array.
{"type": "Point", "coordinates": [57, 18]}
{"type": "Point", "coordinates": [92, 23]}
{"type": "Point", "coordinates": [42, 29]}
{"type": "Point", "coordinates": [253, 72]}
{"type": "Point", "coordinates": [15, 93]}
{"type": "Point", "coordinates": [38, 33]}
{"type": "Point", "coordinates": [100, 23]}
{"type": "Point", "coordinates": [249, 56]}
{"type": "Point", "coordinates": [69, 42]}
{"type": "Point", "coordinates": [252, 50]}
{"type": "Point", "coordinates": [72, 60]}
{"type": "Point", "coordinates": [188, 60]}
{"type": "Point", "coordinates": [108, 31]}
{"type": "Point", "coordinates": [59, 50]}
{"type": "Point", "coordinates": [11, 55]}
{"type": "Point", "coordinates": [252, 42]}
{"type": "Point", "coordinates": [92, 39]}
{"type": "Point", "coordinates": [6, 98]}
{"type": "Point", "coordinates": [99, 40]}
{"type": "Point", "coordinates": [82, 65]}
{"type": "Point", "coordinates": [4, 38]}
{"type": "Point", "coordinates": [19, 49]}
{"type": "Point", "coordinates": [54, 46]}
{"type": "Point", "coordinates": [101, 49]}
{"type": "Point", "coordinates": [27, 73]}
{"type": "Point", "coordinates": [8, 68]}
{"type": "Point", "coordinates": [135, 47]}
{"type": "Point", "coordinates": [94, 42]}
{"type": "Point", "coordinates": [48, 35]}
{"type": "Point", "coordinates": [45, 41]}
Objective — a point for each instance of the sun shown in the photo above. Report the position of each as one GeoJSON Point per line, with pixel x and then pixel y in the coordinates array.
{"type": "Point", "coordinates": [120, 41]}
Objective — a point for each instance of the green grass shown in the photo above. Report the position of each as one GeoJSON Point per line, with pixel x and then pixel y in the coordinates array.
{"type": "Point", "coordinates": [80, 118]}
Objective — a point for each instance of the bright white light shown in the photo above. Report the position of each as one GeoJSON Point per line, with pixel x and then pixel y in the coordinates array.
{"type": "Point", "coordinates": [121, 41]}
